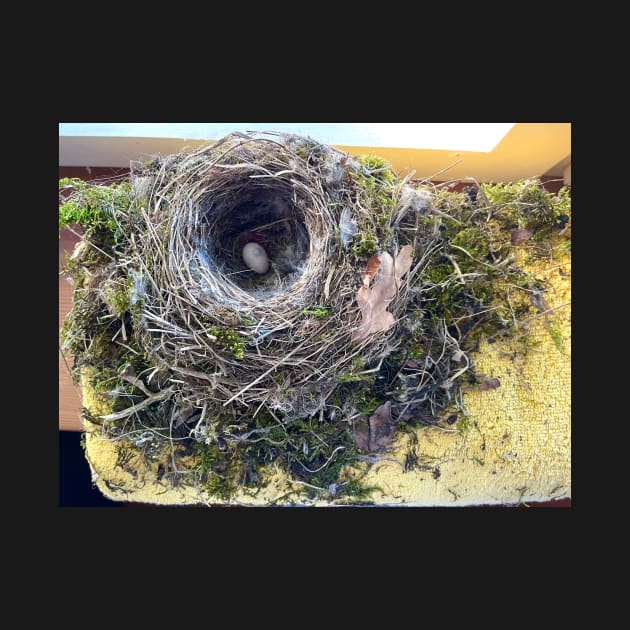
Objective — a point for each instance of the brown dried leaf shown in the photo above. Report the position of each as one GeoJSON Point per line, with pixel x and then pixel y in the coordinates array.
{"type": "Point", "coordinates": [376, 434]}
{"type": "Point", "coordinates": [371, 269]}
{"type": "Point", "coordinates": [489, 383]}
{"type": "Point", "coordinates": [361, 434]}
{"type": "Point", "coordinates": [520, 236]}
{"type": "Point", "coordinates": [381, 427]}
{"type": "Point", "coordinates": [373, 302]}
{"type": "Point", "coordinates": [402, 264]}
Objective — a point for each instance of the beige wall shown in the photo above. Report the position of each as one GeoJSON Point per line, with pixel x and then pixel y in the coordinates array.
{"type": "Point", "coordinates": [527, 150]}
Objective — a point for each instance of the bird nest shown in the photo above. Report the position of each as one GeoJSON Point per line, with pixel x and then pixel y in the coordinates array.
{"type": "Point", "coordinates": [253, 335]}
{"type": "Point", "coordinates": [357, 314]}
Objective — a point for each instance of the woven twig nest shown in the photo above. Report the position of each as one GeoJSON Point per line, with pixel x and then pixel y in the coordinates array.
{"type": "Point", "coordinates": [278, 338]}
{"type": "Point", "coordinates": [360, 319]}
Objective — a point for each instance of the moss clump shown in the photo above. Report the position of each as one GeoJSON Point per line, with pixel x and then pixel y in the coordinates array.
{"type": "Point", "coordinates": [218, 475]}
{"type": "Point", "coordinates": [366, 246]}
{"type": "Point", "coordinates": [375, 190]}
{"type": "Point", "coordinates": [118, 295]}
{"type": "Point", "coordinates": [464, 424]}
{"type": "Point", "coordinates": [475, 246]}
{"type": "Point", "coordinates": [231, 340]}
{"type": "Point", "coordinates": [527, 205]}
{"type": "Point", "coordinates": [94, 207]}
{"type": "Point", "coordinates": [317, 311]}
{"type": "Point", "coordinates": [415, 349]}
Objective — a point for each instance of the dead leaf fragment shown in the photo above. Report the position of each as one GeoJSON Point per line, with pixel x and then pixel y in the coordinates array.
{"type": "Point", "coordinates": [489, 383]}
{"type": "Point", "coordinates": [520, 236]}
{"type": "Point", "coordinates": [371, 269]}
{"type": "Point", "coordinates": [374, 301]}
{"type": "Point", "coordinates": [381, 427]}
{"type": "Point", "coordinates": [361, 434]}
{"type": "Point", "coordinates": [402, 263]}
{"type": "Point", "coordinates": [376, 433]}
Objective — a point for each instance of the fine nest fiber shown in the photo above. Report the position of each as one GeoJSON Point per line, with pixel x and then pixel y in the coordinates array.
{"type": "Point", "coordinates": [360, 323]}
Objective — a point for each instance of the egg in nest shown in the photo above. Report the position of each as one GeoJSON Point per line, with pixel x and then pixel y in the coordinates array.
{"type": "Point", "coordinates": [255, 257]}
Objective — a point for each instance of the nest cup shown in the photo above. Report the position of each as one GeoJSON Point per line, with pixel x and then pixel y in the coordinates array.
{"type": "Point", "coordinates": [248, 195]}
{"type": "Point", "coordinates": [203, 309]}
{"type": "Point", "coordinates": [259, 213]}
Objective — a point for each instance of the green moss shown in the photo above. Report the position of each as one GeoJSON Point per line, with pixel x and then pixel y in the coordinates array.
{"type": "Point", "coordinates": [439, 272]}
{"type": "Point", "coordinates": [467, 280]}
{"type": "Point", "coordinates": [375, 188]}
{"type": "Point", "coordinates": [527, 205]}
{"type": "Point", "coordinates": [377, 168]}
{"type": "Point", "coordinates": [317, 311]}
{"type": "Point", "coordinates": [366, 246]}
{"type": "Point", "coordinates": [118, 296]}
{"type": "Point", "coordinates": [367, 403]}
{"type": "Point", "coordinates": [356, 489]}
{"type": "Point", "coordinates": [563, 202]}
{"type": "Point", "coordinates": [415, 349]}
{"type": "Point", "coordinates": [93, 206]}
{"type": "Point", "coordinates": [218, 475]}
{"type": "Point", "coordinates": [464, 424]}
{"type": "Point", "coordinates": [350, 377]}
{"type": "Point", "coordinates": [555, 332]}
{"type": "Point", "coordinates": [231, 340]}
{"type": "Point", "coordinates": [475, 242]}
{"type": "Point", "coordinates": [317, 452]}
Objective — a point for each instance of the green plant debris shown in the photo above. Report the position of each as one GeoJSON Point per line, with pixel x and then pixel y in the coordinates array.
{"type": "Point", "coordinates": [555, 332]}
{"type": "Point", "coordinates": [376, 187]}
{"type": "Point", "coordinates": [317, 311]}
{"type": "Point", "coordinates": [366, 246]}
{"type": "Point", "coordinates": [464, 424]}
{"type": "Point", "coordinates": [95, 208]}
{"type": "Point", "coordinates": [231, 340]}
{"type": "Point", "coordinates": [351, 377]}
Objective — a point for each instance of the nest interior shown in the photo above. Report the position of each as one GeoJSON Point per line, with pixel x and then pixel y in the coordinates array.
{"type": "Point", "coordinates": [264, 215]}
{"type": "Point", "coordinates": [376, 292]}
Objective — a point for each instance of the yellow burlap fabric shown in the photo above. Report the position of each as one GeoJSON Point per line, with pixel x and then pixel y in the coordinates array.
{"type": "Point", "coordinates": [515, 446]}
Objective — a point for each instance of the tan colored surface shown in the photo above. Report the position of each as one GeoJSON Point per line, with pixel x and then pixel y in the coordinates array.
{"type": "Point", "coordinates": [518, 448]}
{"type": "Point", "coordinates": [527, 150]}
{"type": "Point", "coordinates": [69, 394]}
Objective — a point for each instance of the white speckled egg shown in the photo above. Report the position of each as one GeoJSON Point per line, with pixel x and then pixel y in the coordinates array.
{"type": "Point", "coordinates": [255, 257]}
